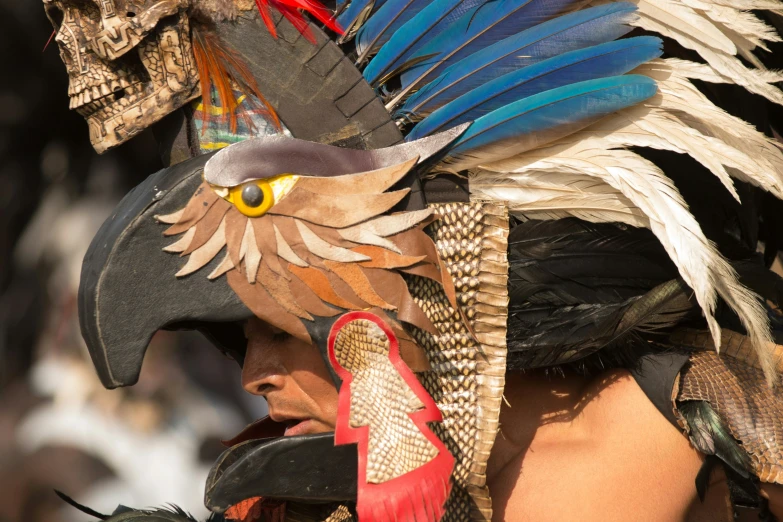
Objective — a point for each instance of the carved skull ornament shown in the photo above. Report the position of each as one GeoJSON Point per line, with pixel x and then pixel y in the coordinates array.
{"type": "Point", "coordinates": [130, 62]}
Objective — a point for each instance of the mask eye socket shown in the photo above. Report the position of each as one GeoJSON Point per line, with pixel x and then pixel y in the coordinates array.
{"type": "Point", "coordinates": [253, 198]}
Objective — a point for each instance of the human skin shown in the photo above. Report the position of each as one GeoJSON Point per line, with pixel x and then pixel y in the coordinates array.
{"type": "Point", "coordinates": [569, 448]}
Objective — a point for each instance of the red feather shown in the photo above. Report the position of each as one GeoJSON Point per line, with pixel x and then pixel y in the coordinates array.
{"type": "Point", "coordinates": [418, 495]}
{"type": "Point", "coordinates": [292, 11]}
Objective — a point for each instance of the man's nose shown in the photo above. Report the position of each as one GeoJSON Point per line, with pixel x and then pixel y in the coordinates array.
{"type": "Point", "coordinates": [262, 371]}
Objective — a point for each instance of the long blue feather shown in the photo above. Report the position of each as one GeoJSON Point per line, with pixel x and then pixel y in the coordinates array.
{"type": "Point", "coordinates": [562, 34]}
{"type": "Point", "coordinates": [600, 61]}
{"type": "Point", "coordinates": [348, 18]}
{"type": "Point", "coordinates": [428, 23]}
{"type": "Point", "coordinates": [542, 118]}
{"type": "Point", "coordinates": [385, 22]}
{"type": "Point", "coordinates": [479, 28]}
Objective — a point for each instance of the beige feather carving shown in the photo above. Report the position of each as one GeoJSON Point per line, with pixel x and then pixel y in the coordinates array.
{"type": "Point", "coordinates": [225, 265]}
{"type": "Point", "coordinates": [385, 226]}
{"type": "Point", "coordinates": [365, 237]}
{"type": "Point", "coordinates": [697, 260]}
{"type": "Point", "coordinates": [252, 253]}
{"type": "Point", "coordinates": [204, 254]}
{"type": "Point", "coordinates": [183, 243]}
{"type": "Point", "coordinates": [285, 251]}
{"type": "Point", "coordinates": [373, 182]}
{"type": "Point", "coordinates": [326, 250]}
{"type": "Point", "coordinates": [170, 219]}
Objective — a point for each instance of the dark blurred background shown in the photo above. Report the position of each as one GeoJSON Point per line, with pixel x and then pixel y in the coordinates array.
{"type": "Point", "coordinates": [59, 429]}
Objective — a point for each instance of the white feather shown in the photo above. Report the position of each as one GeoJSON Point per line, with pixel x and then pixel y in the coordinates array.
{"type": "Point", "coordinates": [687, 27]}
{"type": "Point", "coordinates": [642, 183]}
{"type": "Point", "coordinates": [681, 18]}
{"type": "Point", "coordinates": [681, 99]}
{"type": "Point", "coordinates": [554, 194]}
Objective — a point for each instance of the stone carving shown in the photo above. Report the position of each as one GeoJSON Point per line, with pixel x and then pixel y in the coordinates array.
{"type": "Point", "coordinates": [130, 62]}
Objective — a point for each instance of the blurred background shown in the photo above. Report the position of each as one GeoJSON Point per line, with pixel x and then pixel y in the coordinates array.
{"type": "Point", "coordinates": [59, 429]}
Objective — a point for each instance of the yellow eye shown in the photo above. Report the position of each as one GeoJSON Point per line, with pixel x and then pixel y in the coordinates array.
{"type": "Point", "coordinates": [253, 198]}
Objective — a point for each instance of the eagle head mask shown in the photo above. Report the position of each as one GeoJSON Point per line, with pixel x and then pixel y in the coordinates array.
{"type": "Point", "coordinates": [320, 242]}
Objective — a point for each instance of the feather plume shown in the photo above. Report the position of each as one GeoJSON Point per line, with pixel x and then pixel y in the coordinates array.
{"type": "Point", "coordinates": [478, 28]}
{"type": "Point", "coordinates": [354, 17]}
{"type": "Point", "coordinates": [383, 24]}
{"type": "Point", "coordinates": [716, 41]}
{"type": "Point", "coordinates": [544, 118]}
{"type": "Point", "coordinates": [581, 29]}
{"type": "Point", "coordinates": [699, 263]}
{"type": "Point", "coordinates": [427, 24]}
{"type": "Point", "coordinates": [600, 61]}
{"type": "Point", "coordinates": [553, 194]}
{"type": "Point", "coordinates": [219, 66]}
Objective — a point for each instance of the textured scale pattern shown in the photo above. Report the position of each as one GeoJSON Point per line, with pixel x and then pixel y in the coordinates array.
{"type": "Point", "coordinates": [468, 371]}
{"type": "Point", "coordinates": [381, 400]}
{"type": "Point", "coordinates": [752, 410]}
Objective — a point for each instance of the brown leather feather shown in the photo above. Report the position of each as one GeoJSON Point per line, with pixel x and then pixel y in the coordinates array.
{"type": "Point", "coordinates": [207, 226]}
{"type": "Point", "coordinates": [352, 274]}
{"type": "Point", "coordinates": [280, 291]}
{"type": "Point", "coordinates": [236, 222]}
{"type": "Point", "coordinates": [197, 207]}
{"type": "Point", "coordinates": [373, 182]}
{"type": "Point", "coordinates": [319, 283]}
{"type": "Point", "coordinates": [383, 258]}
{"type": "Point", "coordinates": [256, 298]}
{"type": "Point", "coordinates": [336, 212]}
{"type": "Point", "coordinates": [308, 299]}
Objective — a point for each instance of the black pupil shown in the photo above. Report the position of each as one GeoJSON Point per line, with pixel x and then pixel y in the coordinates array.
{"type": "Point", "coordinates": [252, 195]}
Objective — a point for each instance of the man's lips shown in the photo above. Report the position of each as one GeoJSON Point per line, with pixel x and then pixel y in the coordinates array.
{"type": "Point", "coordinates": [269, 427]}
{"type": "Point", "coordinates": [298, 427]}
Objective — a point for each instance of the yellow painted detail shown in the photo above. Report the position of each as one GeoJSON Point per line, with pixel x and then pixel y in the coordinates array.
{"type": "Point", "coordinates": [274, 189]}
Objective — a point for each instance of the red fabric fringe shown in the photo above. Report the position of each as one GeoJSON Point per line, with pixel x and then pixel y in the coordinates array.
{"type": "Point", "coordinates": [419, 495]}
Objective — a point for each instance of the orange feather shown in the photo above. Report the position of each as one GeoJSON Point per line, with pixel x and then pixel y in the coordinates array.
{"type": "Point", "coordinates": [218, 66]}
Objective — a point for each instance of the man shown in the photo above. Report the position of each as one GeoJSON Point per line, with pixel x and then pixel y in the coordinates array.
{"type": "Point", "coordinates": [561, 437]}
{"type": "Point", "coordinates": [421, 292]}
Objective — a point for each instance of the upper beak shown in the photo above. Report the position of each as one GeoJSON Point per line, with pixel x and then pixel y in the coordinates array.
{"type": "Point", "coordinates": [128, 290]}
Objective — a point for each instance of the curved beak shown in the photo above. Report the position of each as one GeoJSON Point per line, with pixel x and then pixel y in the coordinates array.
{"type": "Point", "coordinates": [128, 290]}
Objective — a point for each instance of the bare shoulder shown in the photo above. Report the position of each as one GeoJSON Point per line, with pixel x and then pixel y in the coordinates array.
{"type": "Point", "coordinates": [577, 449]}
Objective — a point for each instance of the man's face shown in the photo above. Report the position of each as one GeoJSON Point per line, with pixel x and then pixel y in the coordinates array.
{"type": "Point", "coordinates": [292, 376]}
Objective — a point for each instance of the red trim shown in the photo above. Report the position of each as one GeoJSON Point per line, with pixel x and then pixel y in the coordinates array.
{"type": "Point", "coordinates": [418, 495]}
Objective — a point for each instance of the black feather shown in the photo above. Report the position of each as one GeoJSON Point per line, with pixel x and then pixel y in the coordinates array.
{"type": "Point", "coordinates": [710, 435]}
{"type": "Point", "coordinates": [578, 287]}
{"type": "Point", "coordinates": [80, 507]}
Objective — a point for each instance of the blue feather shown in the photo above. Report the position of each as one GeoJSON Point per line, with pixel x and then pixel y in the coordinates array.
{"type": "Point", "coordinates": [348, 18]}
{"type": "Point", "coordinates": [565, 33]}
{"type": "Point", "coordinates": [479, 28]}
{"type": "Point", "coordinates": [542, 118]}
{"type": "Point", "coordinates": [600, 61]}
{"type": "Point", "coordinates": [385, 22]}
{"type": "Point", "coordinates": [427, 24]}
